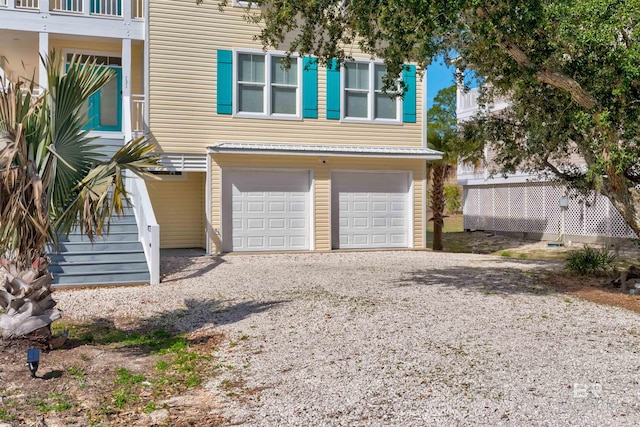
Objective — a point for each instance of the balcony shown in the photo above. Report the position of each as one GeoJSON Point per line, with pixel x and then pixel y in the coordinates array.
{"type": "Point", "coordinates": [99, 18]}
{"type": "Point", "coordinates": [104, 8]}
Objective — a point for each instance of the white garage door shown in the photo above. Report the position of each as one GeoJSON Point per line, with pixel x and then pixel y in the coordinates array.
{"type": "Point", "coordinates": [370, 210]}
{"type": "Point", "coordinates": [265, 210]}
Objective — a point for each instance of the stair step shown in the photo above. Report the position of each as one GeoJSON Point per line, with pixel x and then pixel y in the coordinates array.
{"type": "Point", "coordinates": [117, 236]}
{"type": "Point", "coordinates": [98, 267]}
{"type": "Point", "coordinates": [98, 246]}
{"type": "Point", "coordinates": [106, 278]}
{"type": "Point", "coordinates": [128, 255]}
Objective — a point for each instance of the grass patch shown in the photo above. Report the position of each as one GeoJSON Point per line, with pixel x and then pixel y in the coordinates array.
{"type": "Point", "coordinates": [452, 224]}
{"type": "Point", "coordinates": [53, 403]}
{"type": "Point", "coordinates": [178, 367]}
{"type": "Point", "coordinates": [6, 416]}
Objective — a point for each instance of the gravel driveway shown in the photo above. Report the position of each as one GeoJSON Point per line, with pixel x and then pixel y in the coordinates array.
{"type": "Point", "coordinates": [393, 339]}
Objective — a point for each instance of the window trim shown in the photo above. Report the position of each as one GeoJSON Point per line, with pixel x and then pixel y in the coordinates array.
{"type": "Point", "coordinates": [371, 92]}
{"type": "Point", "coordinates": [268, 84]}
{"type": "Point", "coordinates": [244, 4]}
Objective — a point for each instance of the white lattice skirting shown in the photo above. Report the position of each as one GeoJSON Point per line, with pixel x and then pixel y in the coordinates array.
{"type": "Point", "coordinates": [534, 208]}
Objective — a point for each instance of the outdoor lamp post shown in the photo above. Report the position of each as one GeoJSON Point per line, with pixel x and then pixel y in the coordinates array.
{"type": "Point", "coordinates": [33, 359]}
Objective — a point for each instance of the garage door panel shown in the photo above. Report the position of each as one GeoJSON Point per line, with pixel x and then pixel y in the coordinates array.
{"type": "Point", "coordinates": [379, 239]}
{"type": "Point", "coordinates": [255, 223]}
{"type": "Point", "coordinates": [276, 223]}
{"type": "Point", "coordinates": [297, 206]}
{"type": "Point", "coordinates": [255, 207]}
{"type": "Point", "coordinates": [370, 209]}
{"type": "Point", "coordinates": [379, 206]}
{"type": "Point", "coordinates": [298, 223]}
{"type": "Point", "coordinates": [269, 210]}
{"type": "Point", "coordinates": [276, 207]}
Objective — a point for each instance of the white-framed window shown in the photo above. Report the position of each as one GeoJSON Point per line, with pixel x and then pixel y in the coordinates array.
{"type": "Point", "coordinates": [363, 98]}
{"type": "Point", "coordinates": [245, 4]}
{"type": "Point", "coordinates": [263, 88]}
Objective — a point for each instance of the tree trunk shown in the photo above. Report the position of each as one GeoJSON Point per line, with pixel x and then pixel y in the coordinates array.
{"type": "Point", "coordinates": [438, 174]}
{"type": "Point", "coordinates": [26, 297]}
{"type": "Point", "coordinates": [627, 203]}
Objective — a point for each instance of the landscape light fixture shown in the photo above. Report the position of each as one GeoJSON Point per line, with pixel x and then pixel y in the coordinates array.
{"type": "Point", "coordinates": [33, 359]}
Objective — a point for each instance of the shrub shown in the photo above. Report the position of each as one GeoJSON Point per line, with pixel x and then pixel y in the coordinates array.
{"type": "Point", "coordinates": [588, 261]}
{"type": "Point", "coordinates": [452, 198]}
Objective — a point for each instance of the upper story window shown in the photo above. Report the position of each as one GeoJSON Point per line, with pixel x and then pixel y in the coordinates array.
{"type": "Point", "coordinates": [241, 3]}
{"type": "Point", "coordinates": [264, 88]}
{"type": "Point", "coordinates": [364, 98]}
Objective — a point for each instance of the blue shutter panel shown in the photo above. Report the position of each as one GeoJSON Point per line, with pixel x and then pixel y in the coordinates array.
{"type": "Point", "coordinates": [309, 88]}
{"type": "Point", "coordinates": [333, 90]}
{"type": "Point", "coordinates": [409, 102]}
{"type": "Point", "coordinates": [225, 82]}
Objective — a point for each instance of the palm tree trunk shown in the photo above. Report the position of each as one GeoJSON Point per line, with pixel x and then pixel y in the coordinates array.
{"type": "Point", "coordinates": [438, 174]}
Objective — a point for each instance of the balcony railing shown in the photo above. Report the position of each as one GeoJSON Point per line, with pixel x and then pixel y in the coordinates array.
{"type": "Point", "coordinates": [105, 8]}
{"type": "Point", "coordinates": [138, 125]}
{"type": "Point", "coordinates": [27, 4]}
{"type": "Point", "coordinates": [467, 101]}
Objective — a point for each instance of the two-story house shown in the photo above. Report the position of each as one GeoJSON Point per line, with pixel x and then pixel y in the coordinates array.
{"type": "Point", "coordinates": [256, 157]}
{"type": "Point", "coordinates": [269, 159]}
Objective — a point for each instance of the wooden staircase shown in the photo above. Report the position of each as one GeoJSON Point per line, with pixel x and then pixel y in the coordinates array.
{"type": "Point", "coordinates": [116, 259]}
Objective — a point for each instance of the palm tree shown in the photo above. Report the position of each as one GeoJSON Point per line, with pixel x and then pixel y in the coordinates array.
{"type": "Point", "coordinates": [52, 179]}
{"type": "Point", "coordinates": [443, 136]}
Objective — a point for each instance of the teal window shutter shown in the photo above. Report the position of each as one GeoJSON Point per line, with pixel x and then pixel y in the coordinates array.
{"type": "Point", "coordinates": [225, 82]}
{"type": "Point", "coordinates": [333, 90]}
{"type": "Point", "coordinates": [309, 88]}
{"type": "Point", "coordinates": [409, 102]}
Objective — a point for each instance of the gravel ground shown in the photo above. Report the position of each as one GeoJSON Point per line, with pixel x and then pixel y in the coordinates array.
{"type": "Point", "coordinates": [393, 339]}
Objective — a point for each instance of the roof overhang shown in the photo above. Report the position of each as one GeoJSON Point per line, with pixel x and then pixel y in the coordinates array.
{"type": "Point", "coordinates": [325, 150]}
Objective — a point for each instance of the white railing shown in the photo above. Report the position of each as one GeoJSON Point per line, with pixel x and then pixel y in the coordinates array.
{"type": "Point", "coordinates": [469, 169]}
{"type": "Point", "coordinates": [106, 7]}
{"type": "Point", "coordinates": [138, 126]}
{"type": "Point", "coordinates": [138, 9]}
{"type": "Point", "coordinates": [148, 228]}
{"type": "Point", "coordinates": [27, 4]}
{"type": "Point", "coordinates": [73, 6]}
{"type": "Point", "coordinates": [134, 9]}
{"type": "Point", "coordinates": [467, 102]}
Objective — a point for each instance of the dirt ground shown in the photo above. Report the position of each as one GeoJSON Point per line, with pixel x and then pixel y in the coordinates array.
{"type": "Point", "coordinates": [107, 382]}
{"type": "Point", "coordinates": [594, 289]}
{"type": "Point", "coordinates": [119, 375]}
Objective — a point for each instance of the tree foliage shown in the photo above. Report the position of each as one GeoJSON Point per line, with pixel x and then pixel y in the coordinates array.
{"type": "Point", "coordinates": [571, 69]}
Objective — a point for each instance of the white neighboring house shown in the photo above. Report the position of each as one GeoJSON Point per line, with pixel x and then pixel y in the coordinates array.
{"type": "Point", "coordinates": [525, 205]}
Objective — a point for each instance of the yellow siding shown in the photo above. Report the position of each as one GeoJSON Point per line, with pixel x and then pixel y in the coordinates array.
{"type": "Point", "coordinates": [179, 206]}
{"type": "Point", "coordinates": [322, 186]}
{"type": "Point", "coordinates": [183, 43]}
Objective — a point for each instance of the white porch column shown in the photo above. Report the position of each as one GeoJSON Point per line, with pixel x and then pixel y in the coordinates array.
{"type": "Point", "coordinates": [44, 6]}
{"type": "Point", "coordinates": [86, 7]}
{"type": "Point", "coordinates": [43, 49]}
{"type": "Point", "coordinates": [127, 13]}
{"type": "Point", "coordinates": [126, 88]}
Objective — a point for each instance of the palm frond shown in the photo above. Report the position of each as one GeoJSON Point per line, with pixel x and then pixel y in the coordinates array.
{"type": "Point", "coordinates": [102, 193]}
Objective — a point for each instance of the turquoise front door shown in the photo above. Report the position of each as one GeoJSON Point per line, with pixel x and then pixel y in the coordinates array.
{"type": "Point", "coordinates": [105, 106]}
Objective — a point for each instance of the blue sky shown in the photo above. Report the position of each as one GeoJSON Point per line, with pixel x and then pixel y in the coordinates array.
{"type": "Point", "coordinates": [439, 76]}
